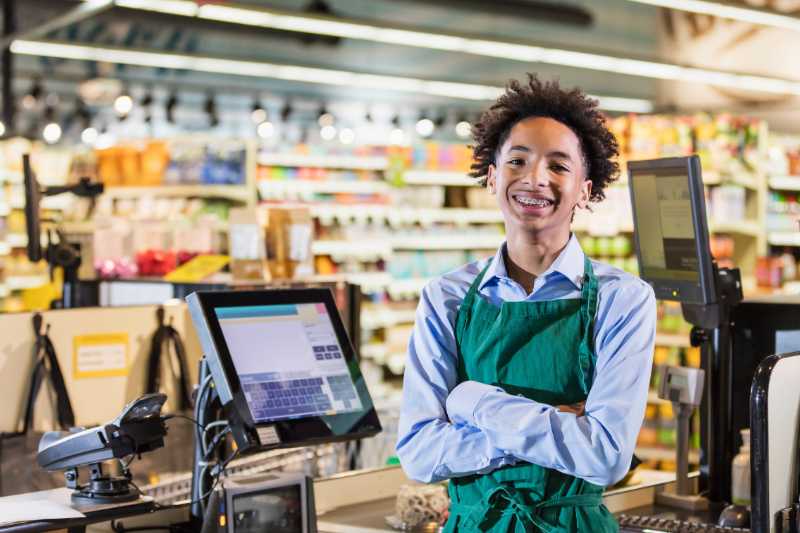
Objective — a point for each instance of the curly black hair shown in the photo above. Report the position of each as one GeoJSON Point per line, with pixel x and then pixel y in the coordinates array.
{"type": "Point", "coordinates": [547, 99]}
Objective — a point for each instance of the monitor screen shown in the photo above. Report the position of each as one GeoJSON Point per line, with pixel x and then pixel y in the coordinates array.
{"type": "Point", "coordinates": [277, 510]}
{"type": "Point", "coordinates": [289, 361]}
{"type": "Point", "coordinates": [670, 228]}
{"type": "Point", "coordinates": [283, 366]}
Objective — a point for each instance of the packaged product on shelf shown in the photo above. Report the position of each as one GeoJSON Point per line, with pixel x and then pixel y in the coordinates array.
{"type": "Point", "coordinates": [224, 163]}
{"type": "Point", "coordinates": [154, 161]}
{"type": "Point", "coordinates": [246, 245]}
{"type": "Point", "coordinates": [186, 163]}
{"type": "Point", "coordinates": [289, 235]}
{"type": "Point", "coordinates": [728, 203]}
{"type": "Point", "coordinates": [769, 272]}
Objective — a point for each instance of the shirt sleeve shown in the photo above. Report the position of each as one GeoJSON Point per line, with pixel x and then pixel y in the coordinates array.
{"type": "Point", "coordinates": [597, 446]}
{"type": "Point", "coordinates": [429, 446]}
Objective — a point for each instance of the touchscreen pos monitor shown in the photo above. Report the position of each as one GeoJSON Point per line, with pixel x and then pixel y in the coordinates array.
{"type": "Point", "coordinates": [283, 367]}
{"type": "Point", "coordinates": [670, 229]}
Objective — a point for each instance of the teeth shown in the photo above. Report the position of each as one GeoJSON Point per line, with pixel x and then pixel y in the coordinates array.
{"type": "Point", "coordinates": [539, 202]}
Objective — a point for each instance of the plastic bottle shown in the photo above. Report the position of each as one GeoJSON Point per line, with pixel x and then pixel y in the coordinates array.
{"type": "Point", "coordinates": [740, 472]}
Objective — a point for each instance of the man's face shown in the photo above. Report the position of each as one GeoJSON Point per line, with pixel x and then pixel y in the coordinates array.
{"type": "Point", "coordinates": [539, 177]}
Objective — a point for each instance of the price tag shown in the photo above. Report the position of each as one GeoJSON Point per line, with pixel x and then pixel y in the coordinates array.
{"type": "Point", "coordinates": [197, 269]}
{"type": "Point", "coordinates": [100, 355]}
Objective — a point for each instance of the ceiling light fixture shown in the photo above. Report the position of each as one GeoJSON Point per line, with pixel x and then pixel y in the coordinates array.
{"type": "Point", "coordinates": [292, 73]}
{"type": "Point", "coordinates": [266, 130]}
{"type": "Point", "coordinates": [463, 129]}
{"type": "Point", "coordinates": [328, 133]}
{"type": "Point", "coordinates": [123, 105]}
{"type": "Point", "coordinates": [257, 113]}
{"type": "Point", "coordinates": [89, 136]}
{"type": "Point", "coordinates": [425, 127]}
{"type": "Point", "coordinates": [454, 43]}
{"type": "Point", "coordinates": [51, 133]}
{"type": "Point", "coordinates": [742, 14]}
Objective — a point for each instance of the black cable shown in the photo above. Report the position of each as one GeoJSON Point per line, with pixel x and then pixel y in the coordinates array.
{"type": "Point", "coordinates": [169, 416]}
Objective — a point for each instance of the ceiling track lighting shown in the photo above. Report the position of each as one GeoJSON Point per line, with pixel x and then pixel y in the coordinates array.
{"type": "Point", "coordinates": [286, 111]}
{"type": "Point", "coordinates": [33, 96]}
{"type": "Point", "coordinates": [295, 73]}
{"type": "Point", "coordinates": [169, 107]}
{"type": "Point", "coordinates": [210, 107]}
{"type": "Point", "coordinates": [527, 53]}
{"type": "Point", "coordinates": [257, 113]}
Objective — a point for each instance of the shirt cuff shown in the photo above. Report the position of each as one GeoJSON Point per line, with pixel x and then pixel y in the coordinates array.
{"type": "Point", "coordinates": [463, 400]}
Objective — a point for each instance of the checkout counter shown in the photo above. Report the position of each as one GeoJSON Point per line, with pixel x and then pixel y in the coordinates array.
{"type": "Point", "coordinates": [315, 394]}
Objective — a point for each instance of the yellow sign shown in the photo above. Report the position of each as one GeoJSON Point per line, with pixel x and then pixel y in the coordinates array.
{"type": "Point", "coordinates": [100, 355]}
{"type": "Point", "coordinates": [198, 268]}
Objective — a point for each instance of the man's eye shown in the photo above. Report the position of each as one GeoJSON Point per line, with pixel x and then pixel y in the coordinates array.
{"type": "Point", "coordinates": [558, 168]}
{"type": "Point", "coordinates": [516, 162]}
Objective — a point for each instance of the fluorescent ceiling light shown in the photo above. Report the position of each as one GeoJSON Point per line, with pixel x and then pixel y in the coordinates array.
{"type": "Point", "coordinates": [742, 14]}
{"type": "Point", "coordinates": [506, 50]}
{"type": "Point", "coordinates": [289, 72]}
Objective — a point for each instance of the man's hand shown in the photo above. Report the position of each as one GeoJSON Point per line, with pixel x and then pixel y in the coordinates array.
{"type": "Point", "coordinates": [576, 409]}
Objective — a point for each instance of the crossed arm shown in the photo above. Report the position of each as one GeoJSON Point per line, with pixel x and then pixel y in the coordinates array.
{"type": "Point", "coordinates": [449, 429]}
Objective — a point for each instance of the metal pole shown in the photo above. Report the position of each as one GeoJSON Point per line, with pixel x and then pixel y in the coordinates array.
{"type": "Point", "coordinates": [9, 27]}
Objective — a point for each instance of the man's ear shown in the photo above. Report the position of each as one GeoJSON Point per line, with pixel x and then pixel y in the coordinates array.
{"type": "Point", "coordinates": [586, 193]}
{"type": "Point", "coordinates": [491, 179]}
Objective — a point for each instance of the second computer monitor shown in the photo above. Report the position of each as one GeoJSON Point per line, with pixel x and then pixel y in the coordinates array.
{"type": "Point", "coordinates": [671, 230]}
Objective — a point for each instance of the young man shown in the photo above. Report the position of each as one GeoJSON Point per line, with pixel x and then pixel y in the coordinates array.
{"type": "Point", "coordinates": [527, 373]}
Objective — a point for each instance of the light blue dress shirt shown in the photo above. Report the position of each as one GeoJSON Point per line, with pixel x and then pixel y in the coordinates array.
{"type": "Point", "coordinates": [448, 431]}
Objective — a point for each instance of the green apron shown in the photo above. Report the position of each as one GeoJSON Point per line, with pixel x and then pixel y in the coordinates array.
{"type": "Point", "coordinates": [543, 351]}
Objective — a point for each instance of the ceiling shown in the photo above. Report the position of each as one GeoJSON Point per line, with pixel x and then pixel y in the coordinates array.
{"type": "Point", "coordinates": [612, 27]}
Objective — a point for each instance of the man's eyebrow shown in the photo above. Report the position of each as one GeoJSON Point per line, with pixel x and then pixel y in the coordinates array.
{"type": "Point", "coordinates": [520, 148]}
{"type": "Point", "coordinates": [559, 155]}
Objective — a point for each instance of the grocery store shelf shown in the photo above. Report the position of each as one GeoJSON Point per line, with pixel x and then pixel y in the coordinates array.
{"type": "Point", "coordinates": [25, 282]}
{"type": "Point", "coordinates": [4, 291]}
{"type": "Point", "coordinates": [783, 238]}
{"type": "Point", "coordinates": [370, 282]}
{"type": "Point", "coordinates": [232, 192]}
{"type": "Point", "coordinates": [362, 249]}
{"type": "Point", "coordinates": [54, 203]}
{"type": "Point", "coordinates": [751, 229]}
{"type": "Point", "coordinates": [323, 161]}
{"type": "Point", "coordinates": [744, 179]}
{"type": "Point", "coordinates": [653, 453]}
{"type": "Point", "coordinates": [381, 317]}
{"type": "Point", "coordinates": [784, 183]}
{"type": "Point", "coordinates": [432, 177]}
{"type": "Point", "coordinates": [448, 242]}
{"type": "Point", "coordinates": [329, 213]}
{"type": "Point", "coordinates": [668, 339]}
{"type": "Point", "coordinates": [405, 288]}
{"type": "Point", "coordinates": [279, 188]}
{"type": "Point", "coordinates": [5, 208]}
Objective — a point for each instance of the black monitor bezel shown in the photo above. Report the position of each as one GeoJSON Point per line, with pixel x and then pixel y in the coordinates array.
{"type": "Point", "coordinates": [682, 291]}
{"type": "Point", "coordinates": [296, 431]}
{"type": "Point", "coordinates": [33, 224]}
{"type": "Point", "coordinates": [280, 482]}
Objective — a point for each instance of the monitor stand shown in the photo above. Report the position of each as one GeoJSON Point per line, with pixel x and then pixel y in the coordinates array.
{"type": "Point", "coordinates": [712, 332]}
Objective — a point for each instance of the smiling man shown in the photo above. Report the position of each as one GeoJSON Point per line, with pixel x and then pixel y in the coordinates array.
{"type": "Point", "coordinates": [527, 373]}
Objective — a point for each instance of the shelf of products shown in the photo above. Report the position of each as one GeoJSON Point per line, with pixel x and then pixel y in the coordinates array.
{"type": "Point", "coordinates": [428, 177]}
{"type": "Point", "coordinates": [334, 161]}
{"type": "Point", "coordinates": [238, 193]}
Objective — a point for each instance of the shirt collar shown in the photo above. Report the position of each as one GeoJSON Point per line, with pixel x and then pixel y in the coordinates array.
{"type": "Point", "coordinates": [569, 264]}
